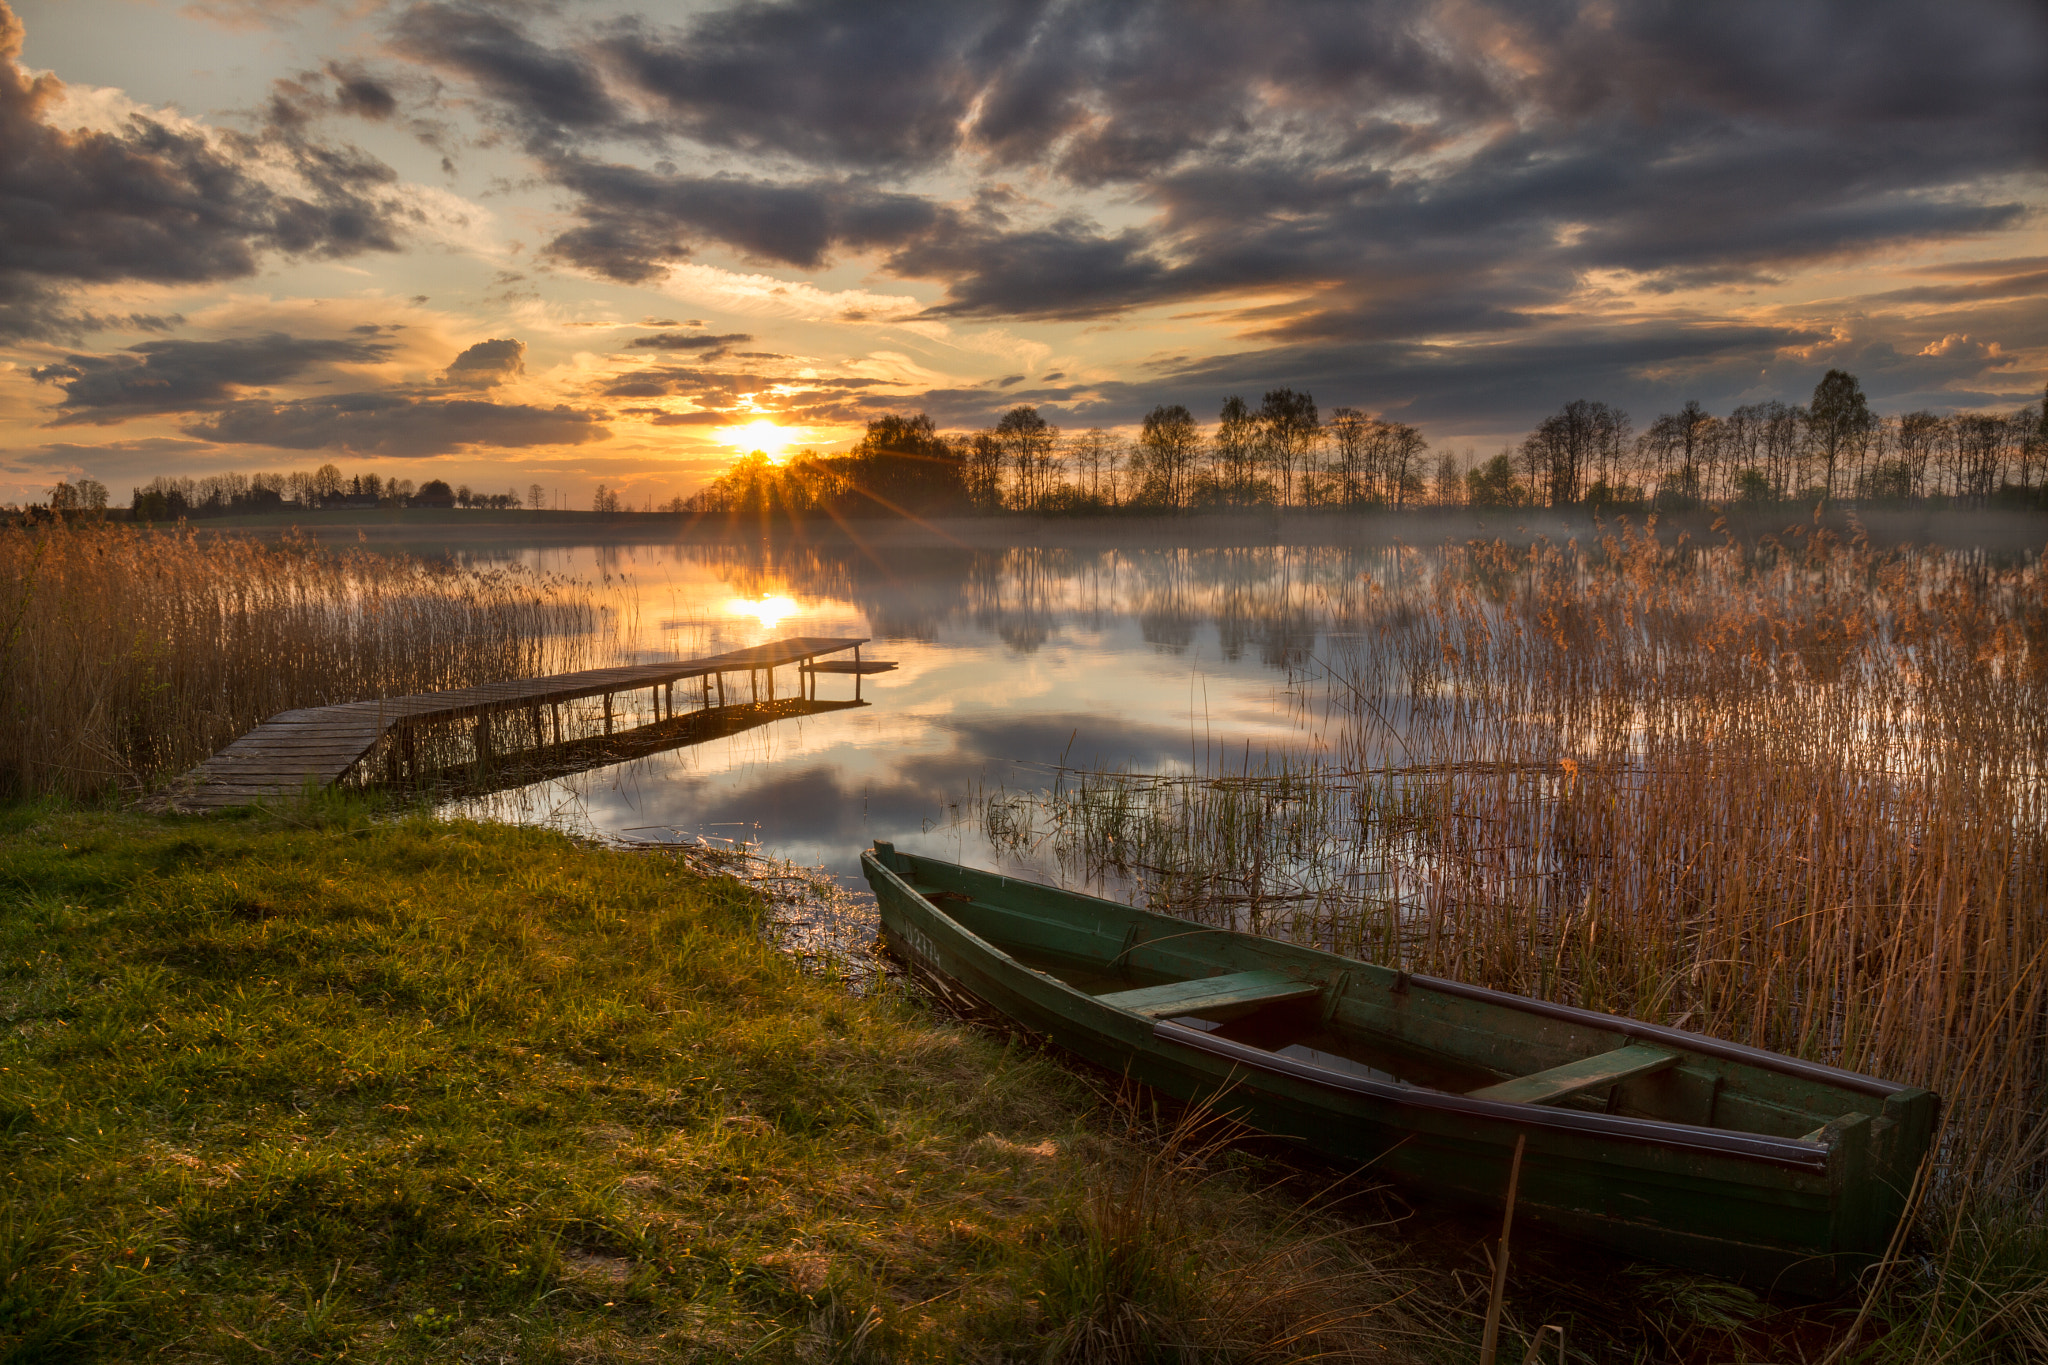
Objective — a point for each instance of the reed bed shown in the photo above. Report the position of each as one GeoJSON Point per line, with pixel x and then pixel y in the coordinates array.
{"type": "Point", "coordinates": [128, 655]}
{"type": "Point", "coordinates": [1792, 793]}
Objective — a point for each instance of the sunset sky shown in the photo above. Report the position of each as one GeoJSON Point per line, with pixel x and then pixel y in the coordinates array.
{"type": "Point", "coordinates": [564, 243]}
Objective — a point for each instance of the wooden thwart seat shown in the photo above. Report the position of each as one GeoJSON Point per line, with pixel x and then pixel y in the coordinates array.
{"type": "Point", "coordinates": [1211, 992]}
{"type": "Point", "coordinates": [1589, 1073]}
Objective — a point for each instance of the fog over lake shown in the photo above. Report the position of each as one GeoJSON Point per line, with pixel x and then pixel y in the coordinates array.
{"type": "Point", "coordinates": [1010, 662]}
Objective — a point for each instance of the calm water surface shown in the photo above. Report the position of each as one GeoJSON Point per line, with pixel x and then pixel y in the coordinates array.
{"type": "Point", "coordinates": [1011, 661]}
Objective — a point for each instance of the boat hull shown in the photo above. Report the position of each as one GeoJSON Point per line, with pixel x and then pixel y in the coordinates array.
{"type": "Point", "coordinates": [1786, 1213]}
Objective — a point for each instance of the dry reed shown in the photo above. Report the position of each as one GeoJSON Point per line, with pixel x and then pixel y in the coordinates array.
{"type": "Point", "coordinates": [1792, 793]}
{"type": "Point", "coordinates": [127, 655]}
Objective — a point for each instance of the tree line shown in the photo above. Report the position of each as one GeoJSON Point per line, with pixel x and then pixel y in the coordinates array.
{"type": "Point", "coordinates": [170, 498]}
{"type": "Point", "coordinates": [1286, 453]}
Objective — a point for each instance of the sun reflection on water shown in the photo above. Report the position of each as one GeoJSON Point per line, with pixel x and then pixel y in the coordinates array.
{"type": "Point", "coordinates": [769, 611]}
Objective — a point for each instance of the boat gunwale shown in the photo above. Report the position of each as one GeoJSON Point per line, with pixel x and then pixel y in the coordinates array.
{"type": "Point", "coordinates": [1795, 1153]}
{"type": "Point", "coordinates": [1704, 1044]}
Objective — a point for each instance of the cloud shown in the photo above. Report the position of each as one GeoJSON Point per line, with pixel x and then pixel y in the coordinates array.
{"type": "Point", "coordinates": [488, 363]}
{"type": "Point", "coordinates": [397, 424]}
{"type": "Point", "coordinates": [685, 341]}
{"type": "Point", "coordinates": [544, 88]}
{"type": "Point", "coordinates": [1366, 171]}
{"type": "Point", "coordinates": [161, 200]}
{"type": "Point", "coordinates": [188, 376]}
{"type": "Point", "coordinates": [770, 296]}
{"type": "Point", "coordinates": [114, 461]}
{"type": "Point", "coordinates": [637, 221]}
{"type": "Point", "coordinates": [709, 417]}
{"type": "Point", "coordinates": [358, 92]}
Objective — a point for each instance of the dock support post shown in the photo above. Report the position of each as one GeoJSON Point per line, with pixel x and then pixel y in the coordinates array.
{"type": "Point", "coordinates": [540, 732]}
{"type": "Point", "coordinates": [754, 683]}
{"type": "Point", "coordinates": [607, 713]}
{"type": "Point", "coordinates": [556, 708]}
{"type": "Point", "coordinates": [671, 698]}
{"type": "Point", "coordinates": [483, 740]}
{"type": "Point", "coordinates": [721, 689]}
{"type": "Point", "coordinates": [770, 672]}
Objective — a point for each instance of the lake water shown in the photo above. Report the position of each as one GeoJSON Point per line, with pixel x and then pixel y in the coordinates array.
{"type": "Point", "coordinates": [1011, 661]}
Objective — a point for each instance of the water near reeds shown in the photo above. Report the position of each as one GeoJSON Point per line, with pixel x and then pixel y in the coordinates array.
{"type": "Point", "coordinates": [1011, 662]}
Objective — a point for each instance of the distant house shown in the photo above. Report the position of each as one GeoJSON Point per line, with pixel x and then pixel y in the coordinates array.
{"type": "Point", "coordinates": [434, 493]}
{"type": "Point", "coordinates": [348, 502]}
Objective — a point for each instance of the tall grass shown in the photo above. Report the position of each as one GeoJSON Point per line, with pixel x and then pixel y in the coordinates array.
{"type": "Point", "coordinates": [127, 655]}
{"type": "Point", "coordinates": [1792, 793]}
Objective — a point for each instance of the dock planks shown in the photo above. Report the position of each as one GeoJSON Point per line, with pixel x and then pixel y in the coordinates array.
{"type": "Point", "coordinates": [319, 744]}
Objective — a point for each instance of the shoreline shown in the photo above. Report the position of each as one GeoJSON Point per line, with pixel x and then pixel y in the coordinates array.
{"type": "Point", "coordinates": [426, 530]}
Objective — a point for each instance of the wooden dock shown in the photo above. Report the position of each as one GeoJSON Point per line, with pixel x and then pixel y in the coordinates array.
{"type": "Point", "coordinates": [319, 744]}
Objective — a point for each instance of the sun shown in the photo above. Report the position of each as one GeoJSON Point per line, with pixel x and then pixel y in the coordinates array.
{"type": "Point", "coordinates": [760, 434]}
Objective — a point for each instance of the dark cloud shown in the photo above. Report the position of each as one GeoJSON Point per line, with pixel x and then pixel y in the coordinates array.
{"type": "Point", "coordinates": [358, 92]}
{"type": "Point", "coordinates": [1374, 173]}
{"type": "Point", "coordinates": [115, 461]}
{"type": "Point", "coordinates": [488, 363]}
{"type": "Point", "coordinates": [687, 341]}
{"type": "Point", "coordinates": [635, 222]}
{"type": "Point", "coordinates": [397, 424]}
{"type": "Point", "coordinates": [156, 203]}
{"type": "Point", "coordinates": [1987, 281]}
{"type": "Point", "coordinates": [1069, 269]}
{"type": "Point", "coordinates": [888, 86]}
{"type": "Point", "coordinates": [542, 87]}
{"type": "Point", "coordinates": [187, 376]}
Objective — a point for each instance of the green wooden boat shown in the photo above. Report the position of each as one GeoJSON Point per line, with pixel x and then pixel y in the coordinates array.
{"type": "Point", "coordinates": [1657, 1143]}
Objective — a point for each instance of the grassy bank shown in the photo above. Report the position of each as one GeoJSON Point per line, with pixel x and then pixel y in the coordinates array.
{"type": "Point", "coordinates": [314, 1086]}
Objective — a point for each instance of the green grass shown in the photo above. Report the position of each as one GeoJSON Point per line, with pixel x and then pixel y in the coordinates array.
{"type": "Point", "coordinates": [320, 1086]}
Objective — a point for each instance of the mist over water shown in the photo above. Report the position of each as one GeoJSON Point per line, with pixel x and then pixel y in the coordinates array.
{"type": "Point", "coordinates": [1011, 661]}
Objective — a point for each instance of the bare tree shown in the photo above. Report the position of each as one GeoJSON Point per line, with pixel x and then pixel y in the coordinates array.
{"type": "Point", "coordinates": [1291, 426]}
{"type": "Point", "coordinates": [1920, 436]}
{"type": "Point", "coordinates": [1351, 433]}
{"type": "Point", "coordinates": [1838, 419]}
{"type": "Point", "coordinates": [1237, 451]}
{"type": "Point", "coordinates": [1030, 442]}
{"type": "Point", "coordinates": [1404, 461]}
{"type": "Point", "coordinates": [1094, 453]}
{"type": "Point", "coordinates": [1677, 447]}
{"type": "Point", "coordinates": [1582, 438]}
{"type": "Point", "coordinates": [981, 464]}
{"type": "Point", "coordinates": [1172, 444]}
{"type": "Point", "coordinates": [1980, 446]}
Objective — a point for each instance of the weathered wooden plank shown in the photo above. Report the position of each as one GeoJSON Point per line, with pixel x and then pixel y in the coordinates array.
{"type": "Point", "coordinates": [1588, 1073]}
{"type": "Point", "coordinates": [1211, 993]}
{"type": "Point", "coordinates": [321, 743]}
